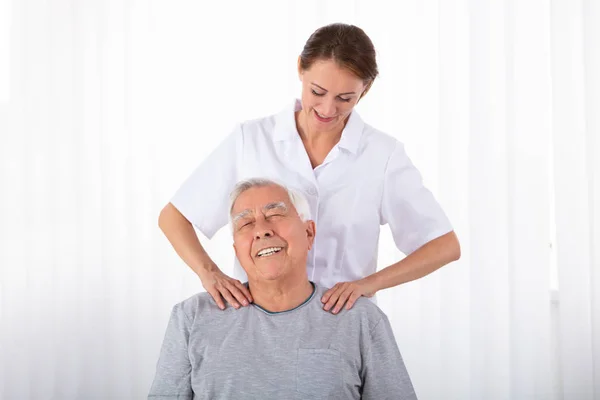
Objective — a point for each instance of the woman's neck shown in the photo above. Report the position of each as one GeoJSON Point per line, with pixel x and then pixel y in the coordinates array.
{"type": "Point", "coordinates": [314, 138]}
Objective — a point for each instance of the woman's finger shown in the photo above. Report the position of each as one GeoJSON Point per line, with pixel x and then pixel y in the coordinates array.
{"type": "Point", "coordinates": [328, 293]}
{"type": "Point", "coordinates": [228, 297]}
{"type": "Point", "coordinates": [237, 293]}
{"type": "Point", "coordinates": [244, 290]}
{"type": "Point", "coordinates": [333, 299]}
{"type": "Point", "coordinates": [353, 297]}
{"type": "Point", "coordinates": [217, 297]}
{"type": "Point", "coordinates": [342, 300]}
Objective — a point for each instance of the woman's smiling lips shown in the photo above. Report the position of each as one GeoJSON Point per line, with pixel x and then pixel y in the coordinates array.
{"type": "Point", "coordinates": [322, 119]}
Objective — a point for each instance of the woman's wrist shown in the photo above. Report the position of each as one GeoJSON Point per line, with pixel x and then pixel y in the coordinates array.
{"type": "Point", "coordinates": [373, 283]}
{"type": "Point", "coordinates": [206, 268]}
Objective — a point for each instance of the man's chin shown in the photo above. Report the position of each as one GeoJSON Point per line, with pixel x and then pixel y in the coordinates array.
{"type": "Point", "coordinates": [270, 271]}
{"type": "Point", "coordinates": [270, 275]}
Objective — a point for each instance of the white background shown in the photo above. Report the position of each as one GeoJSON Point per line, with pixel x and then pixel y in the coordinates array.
{"type": "Point", "coordinates": [107, 106]}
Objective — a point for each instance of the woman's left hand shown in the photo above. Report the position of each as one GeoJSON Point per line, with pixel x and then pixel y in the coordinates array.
{"type": "Point", "coordinates": [346, 293]}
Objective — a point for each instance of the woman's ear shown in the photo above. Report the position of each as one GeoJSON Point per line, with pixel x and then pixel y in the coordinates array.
{"type": "Point", "coordinates": [367, 87]}
{"type": "Point", "coordinates": [300, 70]}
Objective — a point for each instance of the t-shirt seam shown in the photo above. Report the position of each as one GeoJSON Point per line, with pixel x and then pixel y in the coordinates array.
{"type": "Point", "coordinates": [187, 318]}
{"type": "Point", "coordinates": [375, 326]}
{"type": "Point", "coordinates": [368, 350]}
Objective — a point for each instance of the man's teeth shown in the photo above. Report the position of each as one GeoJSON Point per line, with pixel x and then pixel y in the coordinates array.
{"type": "Point", "coordinates": [269, 251]}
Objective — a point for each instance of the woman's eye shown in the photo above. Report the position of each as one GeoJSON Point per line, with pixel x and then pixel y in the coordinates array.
{"type": "Point", "coordinates": [316, 94]}
{"type": "Point", "coordinates": [344, 100]}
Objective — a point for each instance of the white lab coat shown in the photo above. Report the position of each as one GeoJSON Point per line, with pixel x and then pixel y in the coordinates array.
{"type": "Point", "coordinates": [366, 181]}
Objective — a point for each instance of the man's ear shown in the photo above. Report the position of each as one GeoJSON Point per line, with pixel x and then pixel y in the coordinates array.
{"type": "Point", "coordinates": [311, 231]}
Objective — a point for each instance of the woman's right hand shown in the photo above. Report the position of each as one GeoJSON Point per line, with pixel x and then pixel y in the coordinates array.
{"type": "Point", "coordinates": [182, 236]}
{"type": "Point", "coordinates": [221, 286]}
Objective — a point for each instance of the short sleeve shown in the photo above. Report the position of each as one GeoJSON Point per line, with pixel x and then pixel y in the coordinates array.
{"type": "Point", "coordinates": [204, 197]}
{"type": "Point", "coordinates": [413, 214]}
{"type": "Point", "coordinates": [173, 370]}
{"type": "Point", "coordinates": [383, 373]}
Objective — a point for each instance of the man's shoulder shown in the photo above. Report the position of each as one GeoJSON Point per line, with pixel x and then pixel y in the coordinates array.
{"type": "Point", "coordinates": [202, 305]}
{"type": "Point", "coordinates": [198, 300]}
{"type": "Point", "coordinates": [364, 312]}
{"type": "Point", "coordinates": [366, 309]}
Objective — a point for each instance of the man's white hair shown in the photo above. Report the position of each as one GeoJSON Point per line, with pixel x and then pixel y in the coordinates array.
{"type": "Point", "coordinates": [296, 197]}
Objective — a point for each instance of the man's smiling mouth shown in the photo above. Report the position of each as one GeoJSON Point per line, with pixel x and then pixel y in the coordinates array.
{"type": "Point", "coordinates": [269, 251]}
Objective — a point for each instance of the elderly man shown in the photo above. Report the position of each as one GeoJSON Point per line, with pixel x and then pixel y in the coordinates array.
{"type": "Point", "coordinates": [284, 345]}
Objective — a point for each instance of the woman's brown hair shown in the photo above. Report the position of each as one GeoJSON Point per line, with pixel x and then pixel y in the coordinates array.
{"type": "Point", "coordinates": [347, 45]}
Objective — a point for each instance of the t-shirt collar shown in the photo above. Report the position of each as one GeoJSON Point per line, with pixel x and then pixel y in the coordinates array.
{"type": "Point", "coordinates": [290, 310]}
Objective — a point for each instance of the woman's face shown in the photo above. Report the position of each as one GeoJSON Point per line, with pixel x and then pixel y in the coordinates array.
{"type": "Point", "coordinates": [329, 93]}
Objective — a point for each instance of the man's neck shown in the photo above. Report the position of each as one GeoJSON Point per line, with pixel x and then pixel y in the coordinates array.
{"type": "Point", "coordinates": [276, 296]}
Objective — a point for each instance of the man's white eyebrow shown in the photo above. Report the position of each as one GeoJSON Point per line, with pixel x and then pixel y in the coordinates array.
{"type": "Point", "coordinates": [239, 216]}
{"type": "Point", "coordinates": [277, 204]}
{"type": "Point", "coordinates": [270, 206]}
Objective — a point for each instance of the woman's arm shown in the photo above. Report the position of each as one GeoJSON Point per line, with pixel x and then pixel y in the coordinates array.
{"type": "Point", "coordinates": [182, 236]}
{"type": "Point", "coordinates": [423, 261]}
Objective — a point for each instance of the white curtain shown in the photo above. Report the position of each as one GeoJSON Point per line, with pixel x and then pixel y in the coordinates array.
{"type": "Point", "coordinates": [106, 106]}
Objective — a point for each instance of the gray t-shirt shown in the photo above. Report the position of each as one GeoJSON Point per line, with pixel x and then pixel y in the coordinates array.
{"type": "Point", "coordinates": [303, 353]}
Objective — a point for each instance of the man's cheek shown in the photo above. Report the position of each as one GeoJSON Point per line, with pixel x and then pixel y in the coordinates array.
{"type": "Point", "coordinates": [247, 252]}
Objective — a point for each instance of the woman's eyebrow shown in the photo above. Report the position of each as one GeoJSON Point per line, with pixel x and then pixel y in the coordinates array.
{"type": "Point", "coordinates": [322, 88]}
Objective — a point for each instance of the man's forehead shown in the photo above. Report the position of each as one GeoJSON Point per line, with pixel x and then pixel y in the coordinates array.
{"type": "Point", "coordinates": [250, 208]}
{"type": "Point", "coordinates": [260, 198]}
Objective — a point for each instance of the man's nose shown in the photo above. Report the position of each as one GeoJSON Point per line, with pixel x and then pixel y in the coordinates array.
{"type": "Point", "coordinates": [263, 232]}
